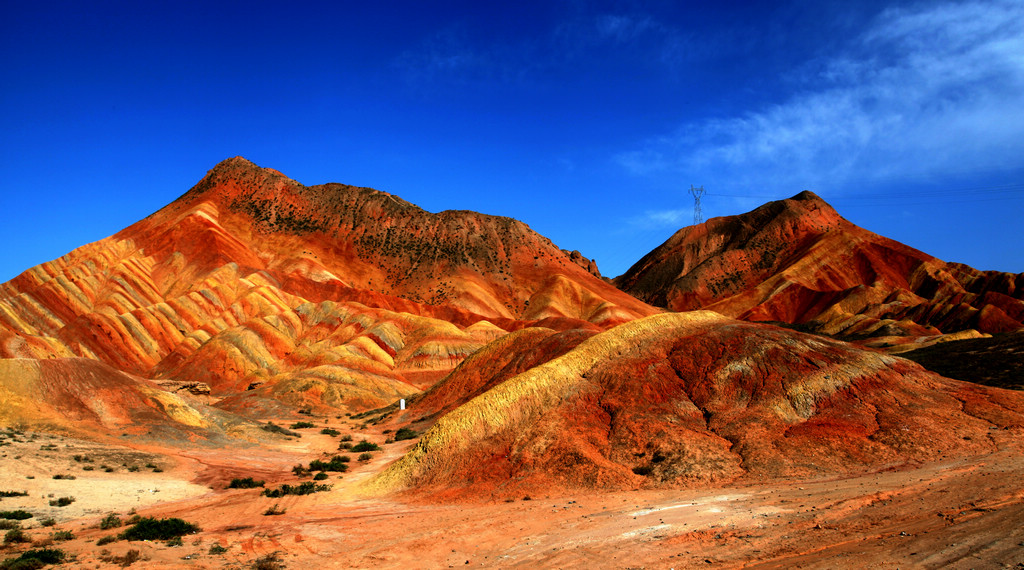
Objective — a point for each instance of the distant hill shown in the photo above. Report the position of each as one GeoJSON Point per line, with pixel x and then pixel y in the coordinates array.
{"type": "Point", "coordinates": [798, 261]}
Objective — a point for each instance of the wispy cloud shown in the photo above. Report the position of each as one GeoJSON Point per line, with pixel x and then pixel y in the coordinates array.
{"type": "Point", "coordinates": [663, 219]}
{"type": "Point", "coordinates": [922, 93]}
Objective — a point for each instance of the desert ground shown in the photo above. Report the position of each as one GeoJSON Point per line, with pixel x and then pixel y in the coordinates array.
{"type": "Point", "coordinates": [963, 513]}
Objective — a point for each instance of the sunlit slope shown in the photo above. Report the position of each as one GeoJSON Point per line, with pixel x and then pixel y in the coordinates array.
{"type": "Point", "coordinates": [332, 294]}
{"type": "Point", "coordinates": [695, 399]}
{"type": "Point", "coordinates": [87, 397]}
{"type": "Point", "coordinates": [799, 261]}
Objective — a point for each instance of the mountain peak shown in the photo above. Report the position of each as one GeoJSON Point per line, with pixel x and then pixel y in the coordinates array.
{"type": "Point", "coordinates": [807, 196]}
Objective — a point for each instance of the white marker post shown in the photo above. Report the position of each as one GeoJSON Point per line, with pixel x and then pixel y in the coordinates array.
{"type": "Point", "coordinates": [401, 404]}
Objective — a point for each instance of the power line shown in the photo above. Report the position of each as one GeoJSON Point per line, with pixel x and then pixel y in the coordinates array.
{"type": "Point", "coordinates": [982, 194]}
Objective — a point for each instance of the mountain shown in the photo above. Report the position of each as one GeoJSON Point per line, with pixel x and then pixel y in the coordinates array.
{"type": "Point", "coordinates": [798, 261]}
{"type": "Point", "coordinates": [683, 400]}
{"type": "Point", "coordinates": [264, 290]}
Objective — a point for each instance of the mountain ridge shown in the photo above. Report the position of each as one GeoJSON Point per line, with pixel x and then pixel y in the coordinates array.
{"type": "Point", "coordinates": [798, 261]}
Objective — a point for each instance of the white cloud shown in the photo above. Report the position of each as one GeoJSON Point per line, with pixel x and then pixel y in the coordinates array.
{"type": "Point", "coordinates": [922, 93]}
{"type": "Point", "coordinates": [664, 218]}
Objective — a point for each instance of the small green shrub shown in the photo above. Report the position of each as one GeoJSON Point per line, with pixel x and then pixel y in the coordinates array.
{"type": "Point", "coordinates": [47, 522]}
{"type": "Point", "coordinates": [8, 525]}
{"type": "Point", "coordinates": [217, 549]}
{"type": "Point", "coordinates": [106, 540]}
{"type": "Point", "coordinates": [335, 464]}
{"type": "Point", "coordinates": [176, 541]}
{"type": "Point", "coordinates": [127, 559]}
{"type": "Point", "coordinates": [268, 562]}
{"type": "Point", "coordinates": [110, 521]}
{"type": "Point", "coordinates": [62, 501]}
{"type": "Point", "coordinates": [273, 428]}
{"type": "Point", "coordinates": [16, 535]}
{"type": "Point", "coordinates": [305, 488]}
{"type": "Point", "coordinates": [365, 446]}
{"type": "Point", "coordinates": [13, 494]}
{"type": "Point", "coordinates": [64, 476]}
{"type": "Point", "coordinates": [405, 433]}
{"type": "Point", "coordinates": [320, 476]}
{"type": "Point", "coordinates": [34, 559]}
{"type": "Point", "coordinates": [331, 432]}
{"type": "Point", "coordinates": [365, 456]}
{"type": "Point", "coordinates": [59, 535]}
{"type": "Point", "coordinates": [302, 425]}
{"type": "Point", "coordinates": [18, 515]}
{"type": "Point", "coordinates": [246, 483]}
{"type": "Point", "coordinates": [274, 510]}
{"type": "Point", "coordinates": [149, 528]}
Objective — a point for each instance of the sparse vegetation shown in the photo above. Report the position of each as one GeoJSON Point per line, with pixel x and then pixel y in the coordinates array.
{"type": "Point", "coordinates": [365, 446]}
{"type": "Point", "coordinates": [13, 494]}
{"type": "Point", "coordinates": [405, 433]}
{"type": "Point", "coordinates": [18, 515]}
{"type": "Point", "coordinates": [106, 540]}
{"type": "Point", "coordinates": [331, 432]}
{"type": "Point", "coordinates": [62, 501]}
{"type": "Point", "coordinates": [305, 488]}
{"type": "Point", "coordinates": [125, 560]}
{"type": "Point", "coordinates": [365, 456]}
{"type": "Point", "coordinates": [245, 483]}
{"type": "Point", "coordinates": [302, 425]}
{"type": "Point", "coordinates": [176, 541]}
{"type": "Point", "coordinates": [110, 521]}
{"type": "Point", "coordinates": [274, 510]}
{"type": "Point", "coordinates": [337, 463]}
{"type": "Point", "coordinates": [59, 535]}
{"type": "Point", "coordinates": [268, 562]}
{"type": "Point", "coordinates": [274, 428]}
{"type": "Point", "coordinates": [47, 522]}
{"type": "Point", "coordinates": [150, 528]}
{"type": "Point", "coordinates": [31, 559]}
{"type": "Point", "coordinates": [15, 536]}
{"type": "Point", "coordinates": [8, 525]}
{"type": "Point", "coordinates": [216, 549]}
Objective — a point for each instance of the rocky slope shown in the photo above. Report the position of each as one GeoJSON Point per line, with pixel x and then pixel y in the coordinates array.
{"type": "Point", "coordinates": [798, 261]}
{"type": "Point", "coordinates": [333, 295]}
{"type": "Point", "coordinates": [690, 399]}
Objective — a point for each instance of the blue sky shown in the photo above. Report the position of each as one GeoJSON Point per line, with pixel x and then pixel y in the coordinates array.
{"type": "Point", "coordinates": [587, 120]}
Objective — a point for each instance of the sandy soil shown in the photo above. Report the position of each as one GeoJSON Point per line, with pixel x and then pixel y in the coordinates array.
{"type": "Point", "coordinates": [957, 514]}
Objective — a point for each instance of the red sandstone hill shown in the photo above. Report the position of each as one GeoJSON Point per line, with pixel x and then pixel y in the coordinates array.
{"type": "Point", "coordinates": [688, 399]}
{"type": "Point", "coordinates": [260, 287]}
{"type": "Point", "coordinates": [798, 261]}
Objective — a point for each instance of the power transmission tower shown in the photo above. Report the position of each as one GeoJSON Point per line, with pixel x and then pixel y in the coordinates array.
{"type": "Point", "coordinates": [697, 193]}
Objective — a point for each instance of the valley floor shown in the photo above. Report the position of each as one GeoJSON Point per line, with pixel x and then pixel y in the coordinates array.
{"type": "Point", "coordinates": [953, 514]}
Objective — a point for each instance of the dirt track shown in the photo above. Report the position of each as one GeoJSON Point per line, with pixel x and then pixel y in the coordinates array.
{"type": "Point", "coordinates": [961, 514]}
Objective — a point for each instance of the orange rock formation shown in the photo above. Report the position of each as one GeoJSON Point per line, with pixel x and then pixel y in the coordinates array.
{"type": "Point", "coordinates": [798, 261]}
{"type": "Point", "coordinates": [326, 295]}
{"type": "Point", "coordinates": [689, 399]}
